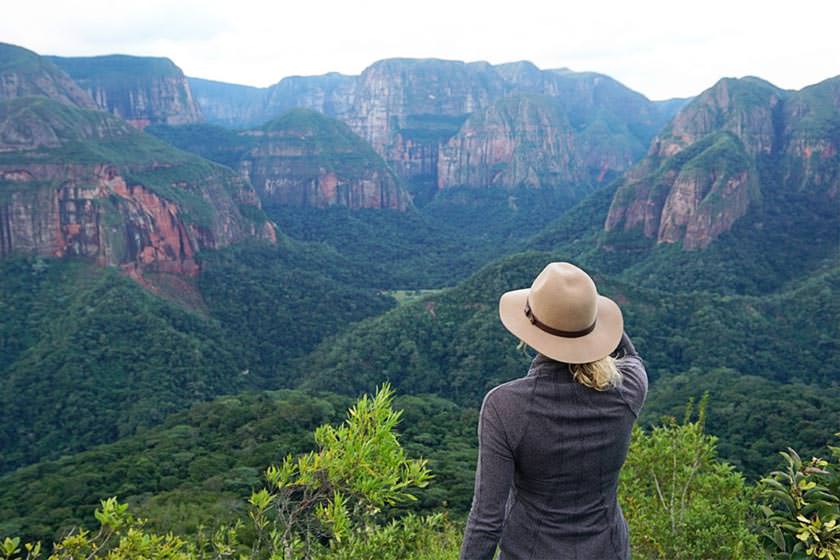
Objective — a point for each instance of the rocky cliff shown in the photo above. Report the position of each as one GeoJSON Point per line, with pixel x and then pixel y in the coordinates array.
{"type": "Point", "coordinates": [307, 159]}
{"type": "Point", "coordinates": [229, 105]}
{"type": "Point", "coordinates": [723, 153]}
{"type": "Point", "coordinates": [530, 141]}
{"type": "Point", "coordinates": [238, 106]}
{"type": "Point", "coordinates": [82, 183]}
{"type": "Point", "coordinates": [410, 109]}
{"type": "Point", "coordinates": [23, 73]}
{"type": "Point", "coordinates": [811, 136]}
{"type": "Point", "coordinates": [141, 90]}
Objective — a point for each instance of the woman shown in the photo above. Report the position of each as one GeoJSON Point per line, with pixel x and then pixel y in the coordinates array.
{"type": "Point", "coordinates": [551, 444]}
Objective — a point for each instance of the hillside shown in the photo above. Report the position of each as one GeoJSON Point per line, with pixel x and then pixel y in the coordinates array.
{"type": "Point", "coordinates": [453, 344]}
{"type": "Point", "coordinates": [197, 466]}
{"type": "Point", "coordinates": [86, 349]}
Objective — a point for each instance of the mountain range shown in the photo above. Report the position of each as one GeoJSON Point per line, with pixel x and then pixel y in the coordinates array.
{"type": "Point", "coordinates": [167, 240]}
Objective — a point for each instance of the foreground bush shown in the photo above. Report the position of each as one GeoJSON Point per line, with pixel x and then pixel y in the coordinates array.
{"type": "Point", "coordinates": [337, 502]}
{"type": "Point", "coordinates": [680, 501]}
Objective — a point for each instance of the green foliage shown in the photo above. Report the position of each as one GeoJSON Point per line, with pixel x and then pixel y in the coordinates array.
{"type": "Point", "coordinates": [752, 415]}
{"type": "Point", "coordinates": [323, 504]}
{"type": "Point", "coordinates": [120, 537]}
{"type": "Point", "coordinates": [801, 511]}
{"type": "Point", "coordinates": [336, 494]}
{"type": "Point", "coordinates": [89, 356]}
{"type": "Point", "coordinates": [276, 303]}
{"type": "Point", "coordinates": [680, 501]}
{"type": "Point", "coordinates": [193, 469]}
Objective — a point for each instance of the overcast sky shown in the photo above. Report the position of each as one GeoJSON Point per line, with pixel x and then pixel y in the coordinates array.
{"type": "Point", "coordinates": [661, 49]}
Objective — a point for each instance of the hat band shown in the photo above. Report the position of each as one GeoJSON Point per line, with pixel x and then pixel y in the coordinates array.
{"type": "Point", "coordinates": [551, 330]}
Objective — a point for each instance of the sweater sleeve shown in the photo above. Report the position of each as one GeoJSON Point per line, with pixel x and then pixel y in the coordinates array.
{"type": "Point", "coordinates": [634, 385]}
{"type": "Point", "coordinates": [493, 479]}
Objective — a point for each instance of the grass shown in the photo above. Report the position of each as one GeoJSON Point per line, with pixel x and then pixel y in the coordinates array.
{"type": "Point", "coordinates": [405, 297]}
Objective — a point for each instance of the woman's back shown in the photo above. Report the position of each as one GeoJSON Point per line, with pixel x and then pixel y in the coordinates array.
{"type": "Point", "coordinates": [552, 450]}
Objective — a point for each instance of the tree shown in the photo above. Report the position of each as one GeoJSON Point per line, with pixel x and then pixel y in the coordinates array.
{"type": "Point", "coordinates": [680, 501]}
{"type": "Point", "coordinates": [330, 502]}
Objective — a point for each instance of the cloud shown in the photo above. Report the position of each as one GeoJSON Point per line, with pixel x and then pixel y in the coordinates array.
{"type": "Point", "coordinates": [662, 49]}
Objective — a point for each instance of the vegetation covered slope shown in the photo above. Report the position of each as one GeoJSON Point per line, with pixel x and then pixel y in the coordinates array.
{"type": "Point", "coordinates": [453, 344]}
{"type": "Point", "coordinates": [88, 356]}
{"type": "Point", "coordinates": [196, 467]}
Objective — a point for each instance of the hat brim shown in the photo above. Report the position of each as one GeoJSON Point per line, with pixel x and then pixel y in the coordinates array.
{"type": "Point", "coordinates": [602, 341]}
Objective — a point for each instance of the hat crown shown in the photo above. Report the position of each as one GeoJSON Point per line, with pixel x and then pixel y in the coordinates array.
{"type": "Point", "coordinates": [564, 297]}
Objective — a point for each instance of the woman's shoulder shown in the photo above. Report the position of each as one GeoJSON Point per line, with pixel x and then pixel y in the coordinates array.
{"type": "Point", "coordinates": [634, 381]}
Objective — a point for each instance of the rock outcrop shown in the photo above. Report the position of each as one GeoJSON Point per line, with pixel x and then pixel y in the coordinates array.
{"type": "Point", "coordinates": [811, 152]}
{"type": "Point", "coordinates": [530, 141]}
{"type": "Point", "coordinates": [81, 183]}
{"type": "Point", "coordinates": [307, 159]}
{"type": "Point", "coordinates": [141, 90]}
{"type": "Point", "coordinates": [23, 73]}
{"type": "Point", "coordinates": [720, 155]}
{"type": "Point", "coordinates": [229, 105]}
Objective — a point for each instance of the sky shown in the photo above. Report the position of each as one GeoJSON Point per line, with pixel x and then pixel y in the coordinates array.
{"type": "Point", "coordinates": [661, 49]}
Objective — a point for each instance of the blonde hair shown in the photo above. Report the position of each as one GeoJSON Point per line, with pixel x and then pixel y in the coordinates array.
{"type": "Point", "coordinates": [599, 375]}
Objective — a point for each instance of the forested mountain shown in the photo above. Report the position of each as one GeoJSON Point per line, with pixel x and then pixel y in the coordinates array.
{"type": "Point", "coordinates": [195, 468]}
{"type": "Point", "coordinates": [89, 356]}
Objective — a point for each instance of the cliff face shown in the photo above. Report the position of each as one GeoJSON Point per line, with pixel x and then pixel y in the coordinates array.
{"type": "Point", "coordinates": [141, 90]}
{"type": "Point", "coordinates": [811, 156]}
{"type": "Point", "coordinates": [81, 183]}
{"type": "Point", "coordinates": [239, 106]}
{"type": "Point", "coordinates": [23, 73]}
{"type": "Point", "coordinates": [306, 159]}
{"type": "Point", "coordinates": [410, 111]}
{"type": "Point", "coordinates": [720, 155]}
{"type": "Point", "coordinates": [527, 140]}
{"type": "Point", "coordinates": [331, 94]}
{"type": "Point", "coordinates": [229, 105]}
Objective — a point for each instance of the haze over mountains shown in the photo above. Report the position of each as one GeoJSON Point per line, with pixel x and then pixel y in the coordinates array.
{"type": "Point", "coordinates": [269, 233]}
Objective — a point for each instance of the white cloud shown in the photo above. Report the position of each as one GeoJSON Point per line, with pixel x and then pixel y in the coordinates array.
{"type": "Point", "coordinates": [663, 49]}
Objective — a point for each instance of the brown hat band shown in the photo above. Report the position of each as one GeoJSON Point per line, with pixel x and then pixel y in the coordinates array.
{"type": "Point", "coordinates": [556, 332]}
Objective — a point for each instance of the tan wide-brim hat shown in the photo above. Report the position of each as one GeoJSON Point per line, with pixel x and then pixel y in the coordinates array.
{"type": "Point", "coordinates": [562, 316]}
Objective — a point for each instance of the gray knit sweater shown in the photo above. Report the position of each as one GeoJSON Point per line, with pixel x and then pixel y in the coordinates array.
{"type": "Point", "coordinates": [550, 450]}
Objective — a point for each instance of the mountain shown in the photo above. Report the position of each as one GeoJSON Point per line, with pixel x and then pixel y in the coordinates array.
{"type": "Point", "coordinates": [735, 149]}
{"type": "Point", "coordinates": [141, 90]}
{"type": "Point", "coordinates": [80, 182]}
{"type": "Point", "coordinates": [23, 73]}
{"type": "Point", "coordinates": [304, 158]}
{"type": "Point", "coordinates": [237, 106]}
{"type": "Point", "coordinates": [410, 111]}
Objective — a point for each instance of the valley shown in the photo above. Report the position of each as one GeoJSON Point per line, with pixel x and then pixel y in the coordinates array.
{"type": "Point", "coordinates": [196, 275]}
